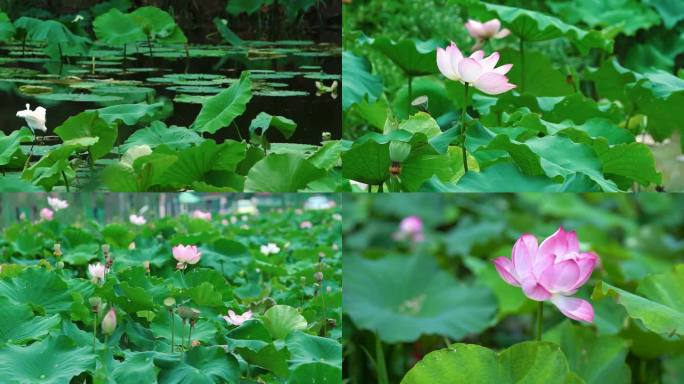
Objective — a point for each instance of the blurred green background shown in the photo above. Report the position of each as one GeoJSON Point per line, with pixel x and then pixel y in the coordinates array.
{"type": "Point", "coordinates": [410, 293]}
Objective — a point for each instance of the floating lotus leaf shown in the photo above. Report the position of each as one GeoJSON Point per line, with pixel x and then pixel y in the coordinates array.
{"type": "Point", "coordinates": [403, 297]}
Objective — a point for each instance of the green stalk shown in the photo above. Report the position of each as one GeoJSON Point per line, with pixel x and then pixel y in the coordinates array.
{"type": "Point", "coordinates": [540, 315]}
{"type": "Point", "coordinates": [463, 128]}
{"type": "Point", "coordinates": [522, 66]}
{"type": "Point", "coordinates": [190, 337]}
{"type": "Point", "coordinates": [94, 330]}
{"type": "Point", "coordinates": [380, 366]}
{"type": "Point", "coordinates": [173, 331]}
{"type": "Point", "coordinates": [408, 107]}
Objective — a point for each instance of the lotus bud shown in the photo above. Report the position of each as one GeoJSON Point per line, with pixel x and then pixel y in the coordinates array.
{"type": "Point", "coordinates": [59, 265]}
{"type": "Point", "coordinates": [146, 264]}
{"type": "Point", "coordinates": [399, 151]}
{"type": "Point", "coordinates": [318, 276]}
{"type": "Point", "coordinates": [109, 322]}
{"type": "Point", "coordinates": [328, 289]}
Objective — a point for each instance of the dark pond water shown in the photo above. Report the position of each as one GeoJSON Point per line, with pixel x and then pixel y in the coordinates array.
{"type": "Point", "coordinates": [283, 73]}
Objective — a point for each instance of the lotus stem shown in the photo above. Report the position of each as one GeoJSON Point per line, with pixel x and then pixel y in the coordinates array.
{"type": "Point", "coordinates": [94, 330]}
{"type": "Point", "coordinates": [408, 104]}
{"type": "Point", "coordinates": [28, 159]}
{"type": "Point", "coordinates": [522, 66]}
{"type": "Point", "coordinates": [149, 45]}
{"type": "Point", "coordinates": [237, 129]}
{"type": "Point", "coordinates": [463, 129]}
{"type": "Point", "coordinates": [173, 330]}
{"type": "Point", "coordinates": [61, 56]}
{"type": "Point", "coordinates": [190, 336]}
{"type": "Point", "coordinates": [66, 181]}
{"type": "Point", "coordinates": [124, 57]}
{"type": "Point", "coordinates": [540, 315]}
{"type": "Point", "coordinates": [380, 366]}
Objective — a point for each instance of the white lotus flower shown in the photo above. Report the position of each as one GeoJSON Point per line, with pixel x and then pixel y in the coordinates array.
{"type": "Point", "coordinates": [57, 204]}
{"type": "Point", "coordinates": [269, 248]}
{"type": "Point", "coordinates": [34, 119]}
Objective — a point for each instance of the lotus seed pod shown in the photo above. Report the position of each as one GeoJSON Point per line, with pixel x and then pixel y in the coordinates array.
{"type": "Point", "coordinates": [318, 276]}
{"type": "Point", "coordinates": [95, 303]}
{"type": "Point", "coordinates": [188, 313]}
{"type": "Point", "coordinates": [169, 302]}
{"type": "Point", "coordinates": [109, 322]}
{"type": "Point", "coordinates": [57, 250]}
{"type": "Point", "coordinates": [105, 248]}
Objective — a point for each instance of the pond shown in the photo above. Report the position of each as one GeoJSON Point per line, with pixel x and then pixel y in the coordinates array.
{"type": "Point", "coordinates": [284, 75]}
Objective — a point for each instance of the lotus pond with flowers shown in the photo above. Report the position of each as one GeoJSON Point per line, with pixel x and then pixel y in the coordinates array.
{"type": "Point", "coordinates": [473, 96]}
{"type": "Point", "coordinates": [532, 287]}
{"type": "Point", "coordinates": [192, 298]}
{"type": "Point", "coordinates": [122, 98]}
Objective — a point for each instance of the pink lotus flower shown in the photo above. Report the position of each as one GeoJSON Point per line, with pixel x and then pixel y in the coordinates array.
{"type": "Point", "coordinates": [485, 31]}
{"type": "Point", "coordinates": [411, 228]}
{"type": "Point", "coordinates": [552, 271]}
{"type": "Point", "coordinates": [56, 204]}
{"type": "Point", "coordinates": [197, 214]}
{"type": "Point", "coordinates": [97, 272]}
{"type": "Point", "coordinates": [475, 70]}
{"type": "Point", "coordinates": [109, 322]}
{"type": "Point", "coordinates": [137, 220]}
{"type": "Point", "coordinates": [305, 225]}
{"type": "Point", "coordinates": [47, 214]}
{"type": "Point", "coordinates": [186, 255]}
{"type": "Point", "coordinates": [236, 319]}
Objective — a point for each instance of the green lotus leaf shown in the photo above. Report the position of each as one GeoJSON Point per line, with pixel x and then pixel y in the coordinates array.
{"type": "Point", "coordinates": [197, 163]}
{"type": "Point", "coordinates": [596, 359]}
{"type": "Point", "coordinates": [403, 297]}
{"type": "Point", "coordinates": [219, 111]}
{"type": "Point", "coordinates": [89, 124]}
{"type": "Point", "coordinates": [541, 78]}
{"type": "Point", "coordinates": [137, 366]}
{"type": "Point", "coordinates": [117, 28]}
{"type": "Point", "coordinates": [19, 325]}
{"type": "Point", "coordinates": [7, 29]}
{"type": "Point", "coordinates": [203, 365]}
{"type": "Point", "coordinates": [130, 114]}
{"type": "Point", "coordinates": [282, 173]}
{"type": "Point", "coordinates": [158, 134]}
{"type": "Point", "coordinates": [158, 25]}
{"type": "Point", "coordinates": [282, 320]}
{"type": "Point", "coordinates": [10, 151]}
{"type": "Point", "coordinates": [367, 162]}
{"type": "Point", "coordinates": [203, 331]}
{"type": "Point", "coordinates": [533, 26]}
{"type": "Point", "coordinates": [55, 360]}
{"type": "Point", "coordinates": [306, 349]}
{"type": "Point", "coordinates": [528, 362]}
{"type": "Point", "coordinates": [359, 83]}
{"type": "Point", "coordinates": [44, 291]}
{"type": "Point", "coordinates": [608, 13]}
{"type": "Point", "coordinates": [264, 121]}
{"type": "Point", "coordinates": [658, 302]}
{"type": "Point", "coordinates": [414, 57]}
{"type": "Point", "coordinates": [671, 11]}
